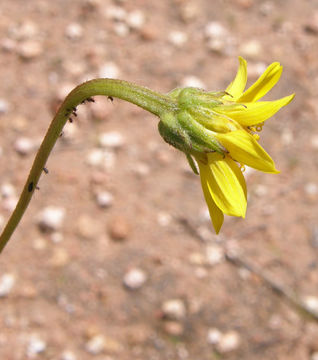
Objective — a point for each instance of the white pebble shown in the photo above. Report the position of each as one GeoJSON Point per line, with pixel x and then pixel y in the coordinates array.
{"type": "Point", "coordinates": [214, 254]}
{"type": "Point", "coordinates": [229, 341]}
{"type": "Point", "coordinates": [109, 70]}
{"type": "Point", "coordinates": [4, 106]}
{"type": "Point", "coordinates": [121, 29]}
{"type": "Point", "coordinates": [112, 139]}
{"type": "Point", "coordinates": [7, 190]}
{"type": "Point", "coordinates": [311, 189]}
{"type": "Point", "coordinates": [104, 199]}
{"type": "Point", "coordinates": [7, 282]}
{"type": "Point", "coordinates": [30, 49]}
{"type": "Point", "coordinates": [215, 29]}
{"type": "Point", "coordinates": [134, 279]}
{"type": "Point", "coordinates": [178, 38]}
{"type": "Point", "coordinates": [95, 345]}
{"type": "Point", "coordinates": [101, 158]}
{"type": "Point", "coordinates": [192, 81]}
{"type": "Point", "coordinates": [68, 355]}
{"type": "Point", "coordinates": [314, 141]}
{"type": "Point", "coordinates": [136, 19]}
{"type": "Point", "coordinates": [1, 222]}
{"type": "Point", "coordinates": [74, 31]}
{"type": "Point", "coordinates": [164, 219]}
{"type": "Point", "coordinates": [36, 346]}
{"type": "Point", "coordinates": [214, 336]}
{"type": "Point", "coordinates": [174, 309]}
{"type": "Point", "coordinates": [51, 218]}
{"type": "Point", "coordinates": [251, 49]}
{"type": "Point", "coordinates": [311, 302]}
{"type": "Point", "coordinates": [287, 137]}
{"type": "Point", "coordinates": [24, 146]}
{"type": "Point", "coordinates": [115, 13]}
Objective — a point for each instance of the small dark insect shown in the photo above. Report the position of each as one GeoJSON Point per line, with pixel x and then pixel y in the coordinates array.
{"type": "Point", "coordinates": [61, 134]}
{"type": "Point", "coordinates": [110, 98]}
{"type": "Point", "coordinates": [70, 120]}
{"type": "Point", "coordinates": [45, 170]}
{"type": "Point", "coordinates": [37, 188]}
{"type": "Point", "coordinates": [30, 187]}
{"type": "Point", "coordinates": [74, 113]}
{"type": "Point", "coordinates": [88, 100]}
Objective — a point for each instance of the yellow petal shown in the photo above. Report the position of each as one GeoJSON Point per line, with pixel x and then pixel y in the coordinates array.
{"type": "Point", "coordinates": [227, 184]}
{"type": "Point", "coordinates": [246, 150]}
{"type": "Point", "coordinates": [237, 86]}
{"type": "Point", "coordinates": [256, 112]}
{"type": "Point", "coordinates": [216, 214]}
{"type": "Point", "coordinates": [262, 86]}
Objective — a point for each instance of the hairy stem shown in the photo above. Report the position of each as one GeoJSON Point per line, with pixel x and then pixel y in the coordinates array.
{"type": "Point", "coordinates": [149, 100]}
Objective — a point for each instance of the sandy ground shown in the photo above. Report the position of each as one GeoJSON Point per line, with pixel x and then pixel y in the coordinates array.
{"type": "Point", "coordinates": [62, 293]}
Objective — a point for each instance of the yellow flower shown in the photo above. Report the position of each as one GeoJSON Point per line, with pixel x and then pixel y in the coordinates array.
{"type": "Point", "coordinates": [233, 117]}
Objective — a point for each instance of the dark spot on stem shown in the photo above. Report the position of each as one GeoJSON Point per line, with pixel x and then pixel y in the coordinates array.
{"type": "Point", "coordinates": [30, 186]}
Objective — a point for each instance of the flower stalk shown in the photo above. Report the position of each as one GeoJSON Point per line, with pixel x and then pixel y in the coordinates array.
{"type": "Point", "coordinates": [156, 103]}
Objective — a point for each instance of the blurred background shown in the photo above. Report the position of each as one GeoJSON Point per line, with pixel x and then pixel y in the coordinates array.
{"type": "Point", "coordinates": [116, 257]}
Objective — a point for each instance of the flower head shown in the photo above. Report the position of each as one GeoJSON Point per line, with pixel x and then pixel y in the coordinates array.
{"type": "Point", "coordinates": [219, 129]}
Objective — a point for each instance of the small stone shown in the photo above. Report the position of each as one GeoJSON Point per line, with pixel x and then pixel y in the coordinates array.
{"type": "Point", "coordinates": [134, 279]}
{"type": "Point", "coordinates": [311, 188]}
{"type": "Point", "coordinates": [112, 139]}
{"type": "Point", "coordinates": [51, 218]}
{"type": "Point", "coordinates": [26, 30]}
{"type": "Point", "coordinates": [104, 199]}
{"type": "Point", "coordinates": [260, 190]}
{"type": "Point", "coordinates": [7, 190]}
{"type": "Point", "coordinates": [121, 29]}
{"type": "Point", "coordinates": [115, 13]}
{"type": "Point", "coordinates": [215, 29]}
{"type": "Point", "coordinates": [4, 106]}
{"type": "Point", "coordinates": [192, 81]}
{"type": "Point", "coordinates": [68, 355]}
{"type": "Point", "coordinates": [173, 328]}
{"type": "Point", "coordinates": [109, 70]}
{"type": "Point", "coordinates": [287, 137]}
{"type": "Point", "coordinates": [24, 146]}
{"type": "Point", "coordinates": [101, 158]}
{"type": "Point", "coordinates": [174, 309]}
{"type": "Point", "coordinates": [1, 222]}
{"type": "Point", "coordinates": [30, 49]}
{"type": "Point", "coordinates": [8, 45]}
{"type": "Point", "coordinates": [87, 227]}
{"type": "Point", "coordinates": [314, 142]}
{"type": "Point", "coordinates": [135, 19]}
{"type": "Point", "coordinates": [7, 282]}
{"type": "Point", "coordinates": [141, 169]}
{"type": "Point", "coordinates": [59, 258]}
{"type": "Point", "coordinates": [229, 341]}
{"type": "Point", "coordinates": [252, 49]}
{"type": "Point", "coordinates": [164, 219]}
{"type": "Point", "coordinates": [311, 302]}
{"type": "Point", "coordinates": [9, 203]}
{"type": "Point", "coordinates": [74, 31]}
{"type": "Point", "coordinates": [56, 237]}
{"type": "Point", "coordinates": [214, 336]}
{"type": "Point", "coordinates": [178, 38]}
{"type": "Point", "coordinates": [36, 346]}
{"type": "Point", "coordinates": [214, 254]}
{"type": "Point", "coordinates": [119, 228]}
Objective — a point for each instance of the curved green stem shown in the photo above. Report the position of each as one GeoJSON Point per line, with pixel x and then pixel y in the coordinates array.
{"type": "Point", "coordinates": [149, 100]}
